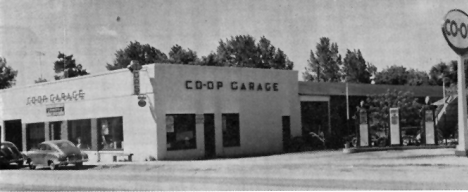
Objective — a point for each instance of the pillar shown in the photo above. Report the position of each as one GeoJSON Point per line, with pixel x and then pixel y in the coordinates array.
{"type": "Point", "coordinates": [46, 131]}
{"type": "Point", "coordinates": [94, 134]}
{"type": "Point", "coordinates": [23, 136]}
{"type": "Point", "coordinates": [2, 131]}
{"type": "Point", "coordinates": [64, 130]}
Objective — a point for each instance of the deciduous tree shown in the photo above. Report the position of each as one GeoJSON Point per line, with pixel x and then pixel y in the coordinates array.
{"type": "Point", "coordinates": [145, 54]}
{"type": "Point", "coordinates": [7, 74]}
{"type": "Point", "coordinates": [242, 51]}
{"type": "Point", "coordinates": [65, 67]}
{"type": "Point", "coordinates": [179, 55]}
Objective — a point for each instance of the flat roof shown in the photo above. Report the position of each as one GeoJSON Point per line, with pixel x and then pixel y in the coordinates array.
{"type": "Point", "coordinates": [355, 89]}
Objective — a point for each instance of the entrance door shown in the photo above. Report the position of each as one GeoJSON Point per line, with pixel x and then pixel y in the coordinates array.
{"type": "Point", "coordinates": [13, 133]}
{"type": "Point", "coordinates": [55, 130]}
{"type": "Point", "coordinates": [286, 132]}
{"type": "Point", "coordinates": [210, 145]}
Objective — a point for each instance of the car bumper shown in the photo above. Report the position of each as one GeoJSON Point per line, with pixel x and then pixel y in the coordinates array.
{"type": "Point", "coordinates": [66, 162]}
{"type": "Point", "coordinates": [8, 161]}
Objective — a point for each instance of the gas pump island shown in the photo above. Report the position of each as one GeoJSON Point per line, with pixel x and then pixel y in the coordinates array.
{"type": "Point", "coordinates": [455, 31]}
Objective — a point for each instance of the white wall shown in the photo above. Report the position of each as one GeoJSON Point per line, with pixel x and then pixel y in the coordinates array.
{"type": "Point", "coordinates": [260, 111]}
{"type": "Point", "coordinates": [108, 94]}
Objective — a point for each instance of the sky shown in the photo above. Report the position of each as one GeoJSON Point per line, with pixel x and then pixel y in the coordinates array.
{"type": "Point", "coordinates": [388, 32]}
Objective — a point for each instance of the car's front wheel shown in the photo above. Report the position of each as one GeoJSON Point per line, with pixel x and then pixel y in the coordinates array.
{"type": "Point", "coordinates": [31, 165]}
{"type": "Point", "coordinates": [52, 165]}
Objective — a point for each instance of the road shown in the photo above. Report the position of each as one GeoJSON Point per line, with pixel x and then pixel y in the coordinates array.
{"type": "Point", "coordinates": [326, 170]}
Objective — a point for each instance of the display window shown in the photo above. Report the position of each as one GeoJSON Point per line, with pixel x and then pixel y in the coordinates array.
{"type": "Point", "coordinates": [180, 131]}
{"type": "Point", "coordinates": [110, 133]}
{"type": "Point", "coordinates": [231, 134]}
{"type": "Point", "coordinates": [34, 135]}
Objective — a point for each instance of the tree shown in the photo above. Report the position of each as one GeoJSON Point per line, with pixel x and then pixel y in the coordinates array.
{"type": "Point", "coordinates": [40, 80]}
{"type": "Point", "coordinates": [394, 75]}
{"type": "Point", "coordinates": [417, 78]}
{"type": "Point", "coordinates": [441, 73]}
{"type": "Point", "coordinates": [7, 74]}
{"type": "Point", "coordinates": [179, 55]}
{"type": "Point", "coordinates": [379, 105]}
{"type": "Point", "coordinates": [355, 69]}
{"type": "Point", "coordinates": [242, 51]}
{"type": "Point", "coordinates": [210, 60]}
{"type": "Point", "coordinates": [65, 67]}
{"type": "Point", "coordinates": [145, 54]}
{"type": "Point", "coordinates": [325, 64]}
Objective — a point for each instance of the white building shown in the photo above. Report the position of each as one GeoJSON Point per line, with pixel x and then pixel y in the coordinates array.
{"type": "Point", "coordinates": [189, 112]}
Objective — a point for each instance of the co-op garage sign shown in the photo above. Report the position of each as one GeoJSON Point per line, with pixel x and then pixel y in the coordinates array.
{"type": "Point", "coordinates": [455, 30]}
{"type": "Point", "coordinates": [233, 85]}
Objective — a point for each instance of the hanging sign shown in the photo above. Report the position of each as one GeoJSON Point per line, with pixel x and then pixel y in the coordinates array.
{"type": "Point", "coordinates": [455, 30]}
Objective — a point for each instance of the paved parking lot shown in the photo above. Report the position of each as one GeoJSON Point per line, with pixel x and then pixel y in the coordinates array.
{"type": "Point", "coordinates": [325, 170]}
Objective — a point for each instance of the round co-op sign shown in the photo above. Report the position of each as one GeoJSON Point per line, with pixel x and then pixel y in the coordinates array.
{"type": "Point", "coordinates": [455, 30]}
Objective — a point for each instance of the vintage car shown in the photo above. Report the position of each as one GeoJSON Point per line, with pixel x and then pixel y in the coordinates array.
{"type": "Point", "coordinates": [9, 153]}
{"type": "Point", "coordinates": [56, 153]}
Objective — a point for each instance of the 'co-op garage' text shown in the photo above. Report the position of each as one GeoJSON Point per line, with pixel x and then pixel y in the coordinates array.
{"type": "Point", "coordinates": [234, 85]}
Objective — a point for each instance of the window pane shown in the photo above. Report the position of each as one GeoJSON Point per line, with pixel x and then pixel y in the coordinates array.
{"type": "Point", "coordinates": [110, 132]}
{"type": "Point", "coordinates": [181, 132]}
{"type": "Point", "coordinates": [34, 135]}
{"type": "Point", "coordinates": [231, 135]}
{"type": "Point", "coordinates": [79, 132]}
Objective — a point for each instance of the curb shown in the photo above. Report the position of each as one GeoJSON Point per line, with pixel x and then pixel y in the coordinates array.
{"type": "Point", "coordinates": [371, 149]}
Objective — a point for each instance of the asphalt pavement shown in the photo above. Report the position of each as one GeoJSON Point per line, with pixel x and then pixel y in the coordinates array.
{"type": "Point", "coordinates": [324, 170]}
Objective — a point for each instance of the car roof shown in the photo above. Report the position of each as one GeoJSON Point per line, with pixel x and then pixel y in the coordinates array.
{"type": "Point", "coordinates": [56, 141]}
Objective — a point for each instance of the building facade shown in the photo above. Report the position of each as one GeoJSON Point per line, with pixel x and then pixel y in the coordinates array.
{"type": "Point", "coordinates": [159, 112]}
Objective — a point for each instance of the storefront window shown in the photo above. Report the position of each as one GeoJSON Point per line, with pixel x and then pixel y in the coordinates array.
{"type": "Point", "coordinates": [34, 135]}
{"type": "Point", "coordinates": [231, 135]}
{"type": "Point", "coordinates": [79, 133]}
{"type": "Point", "coordinates": [180, 129]}
{"type": "Point", "coordinates": [110, 133]}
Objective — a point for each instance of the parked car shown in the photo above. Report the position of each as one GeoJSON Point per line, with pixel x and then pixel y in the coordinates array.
{"type": "Point", "coordinates": [9, 153]}
{"type": "Point", "coordinates": [56, 153]}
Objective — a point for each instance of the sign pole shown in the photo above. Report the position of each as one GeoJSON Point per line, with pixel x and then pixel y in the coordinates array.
{"type": "Point", "coordinates": [462, 146]}
{"type": "Point", "coordinates": [455, 31]}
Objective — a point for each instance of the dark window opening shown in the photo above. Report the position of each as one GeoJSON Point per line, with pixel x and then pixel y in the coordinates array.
{"type": "Point", "coordinates": [181, 132]}
{"type": "Point", "coordinates": [231, 134]}
{"type": "Point", "coordinates": [79, 133]}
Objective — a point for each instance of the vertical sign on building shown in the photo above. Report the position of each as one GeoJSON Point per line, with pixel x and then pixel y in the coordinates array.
{"type": "Point", "coordinates": [395, 127]}
{"type": "Point", "coordinates": [135, 67]}
{"type": "Point", "coordinates": [363, 128]}
{"type": "Point", "coordinates": [136, 82]}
